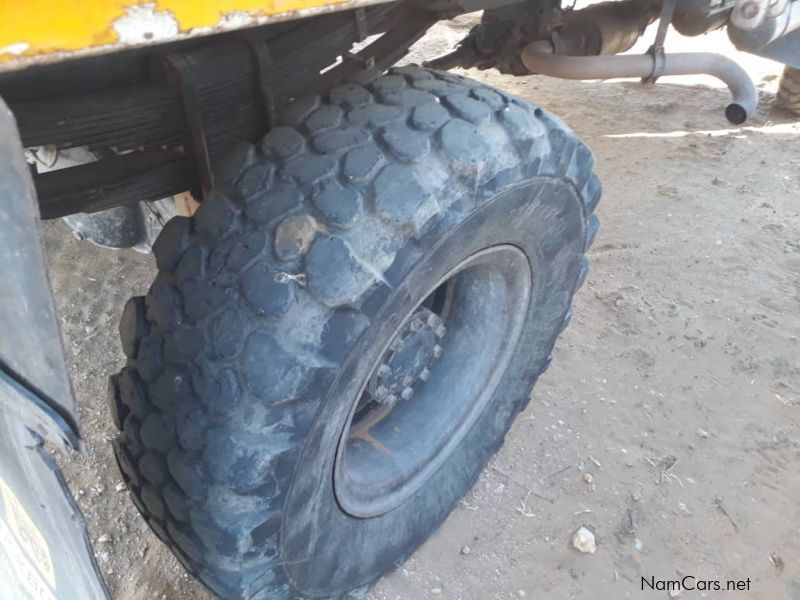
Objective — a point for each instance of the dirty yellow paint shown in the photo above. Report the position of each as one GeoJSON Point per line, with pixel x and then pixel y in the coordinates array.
{"type": "Point", "coordinates": [25, 547]}
{"type": "Point", "coordinates": [31, 28]}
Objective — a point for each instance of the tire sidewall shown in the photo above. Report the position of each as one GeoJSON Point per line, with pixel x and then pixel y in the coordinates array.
{"type": "Point", "coordinates": [323, 548]}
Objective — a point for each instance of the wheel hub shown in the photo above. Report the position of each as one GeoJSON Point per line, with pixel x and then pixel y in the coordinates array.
{"type": "Point", "coordinates": [407, 363]}
{"type": "Point", "coordinates": [428, 385]}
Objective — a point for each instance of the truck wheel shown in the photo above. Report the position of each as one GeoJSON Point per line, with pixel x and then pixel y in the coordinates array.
{"type": "Point", "coordinates": [789, 90]}
{"type": "Point", "coordinates": [339, 339]}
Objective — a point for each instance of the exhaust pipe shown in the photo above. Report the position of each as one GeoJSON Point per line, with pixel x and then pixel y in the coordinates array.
{"type": "Point", "coordinates": [538, 57]}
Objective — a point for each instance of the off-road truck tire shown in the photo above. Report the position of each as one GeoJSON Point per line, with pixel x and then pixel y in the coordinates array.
{"type": "Point", "coordinates": [275, 303]}
{"type": "Point", "coordinates": [789, 90]}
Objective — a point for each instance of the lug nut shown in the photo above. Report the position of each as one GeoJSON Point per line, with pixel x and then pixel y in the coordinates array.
{"type": "Point", "coordinates": [437, 351]}
{"type": "Point", "coordinates": [424, 375]}
{"type": "Point", "coordinates": [381, 393]}
{"type": "Point", "coordinates": [407, 381]}
{"type": "Point", "coordinates": [384, 371]}
{"type": "Point", "coordinates": [397, 344]}
{"type": "Point", "coordinates": [390, 399]}
{"type": "Point", "coordinates": [416, 324]}
{"type": "Point", "coordinates": [407, 393]}
{"type": "Point", "coordinates": [440, 331]}
{"type": "Point", "coordinates": [434, 320]}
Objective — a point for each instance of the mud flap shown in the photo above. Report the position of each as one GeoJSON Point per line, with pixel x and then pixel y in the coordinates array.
{"type": "Point", "coordinates": [44, 548]}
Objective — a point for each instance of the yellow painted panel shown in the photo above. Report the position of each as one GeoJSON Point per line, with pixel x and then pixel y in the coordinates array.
{"type": "Point", "coordinates": [34, 27]}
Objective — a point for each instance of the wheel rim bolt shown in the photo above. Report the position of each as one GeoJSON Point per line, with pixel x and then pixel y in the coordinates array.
{"type": "Point", "coordinates": [407, 393]}
{"type": "Point", "coordinates": [384, 371]}
{"type": "Point", "coordinates": [437, 351]}
{"type": "Point", "coordinates": [381, 393]}
{"type": "Point", "coordinates": [424, 375]}
{"type": "Point", "coordinates": [440, 331]}
{"type": "Point", "coordinates": [407, 381]}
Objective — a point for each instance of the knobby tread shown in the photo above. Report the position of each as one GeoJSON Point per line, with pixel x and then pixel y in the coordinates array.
{"type": "Point", "coordinates": [789, 90]}
{"type": "Point", "coordinates": [237, 323]}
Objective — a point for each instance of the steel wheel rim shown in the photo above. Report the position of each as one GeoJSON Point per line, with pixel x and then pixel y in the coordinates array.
{"type": "Point", "coordinates": [390, 446]}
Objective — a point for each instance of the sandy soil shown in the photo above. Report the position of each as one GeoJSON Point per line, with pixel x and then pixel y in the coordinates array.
{"type": "Point", "coordinates": [668, 421]}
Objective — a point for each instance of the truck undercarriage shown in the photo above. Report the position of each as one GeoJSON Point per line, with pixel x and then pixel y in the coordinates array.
{"type": "Point", "coordinates": [158, 120]}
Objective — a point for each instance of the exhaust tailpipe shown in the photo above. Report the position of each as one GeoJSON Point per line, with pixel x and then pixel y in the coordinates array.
{"type": "Point", "coordinates": [538, 57]}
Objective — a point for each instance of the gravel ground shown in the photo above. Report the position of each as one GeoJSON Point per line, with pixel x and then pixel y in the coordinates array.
{"type": "Point", "coordinates": [667, 423]}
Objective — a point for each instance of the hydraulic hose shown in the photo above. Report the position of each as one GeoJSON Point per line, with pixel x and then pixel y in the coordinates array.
{"type": "Point", "coordinates": [538, 58]}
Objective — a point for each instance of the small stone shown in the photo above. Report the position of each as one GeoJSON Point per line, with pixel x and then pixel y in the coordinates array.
{"type": "Point", "coordinates": [294, 235]}
{"type": "Point", "coordinates": [636, 496]}
{"type": "Point", "coordinates": [120, 487]}
{"type": "Point", "coordinates": [584, 541]}
{"type": "Point", "coordinates": [588, 477]}
{"type": "Point", "coordinates": [466, 550]}
{"type": "Point", "coordinates": [104, 539]}
{"type": "Point", "coordinates": [702, 433]}
{"type": "Point", "coordinates": [777, 562]}
{"type": "Point", "coordinates": [436, 591]}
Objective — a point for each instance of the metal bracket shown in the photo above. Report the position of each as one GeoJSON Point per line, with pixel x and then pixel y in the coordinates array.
{"type": "Point", "coordinates": [362, 29]}
{"type": "Point", "coordinates": [262, 67]}
{"type": "Point", "coordinates": [366, 62]}
{"type": "Point", "coordinates": [657, 49]}
{"type": "Point", "coordinates": [361, 24]}
{"type": "Point", "coordinates": [181, 77]}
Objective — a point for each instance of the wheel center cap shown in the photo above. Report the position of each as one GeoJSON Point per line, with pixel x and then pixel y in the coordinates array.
{"type": "Point", "coordinates": [407, 363]}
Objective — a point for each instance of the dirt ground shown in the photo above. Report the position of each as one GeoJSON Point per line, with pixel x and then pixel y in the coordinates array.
{"type": "Point", "coordinates": [668, 421]}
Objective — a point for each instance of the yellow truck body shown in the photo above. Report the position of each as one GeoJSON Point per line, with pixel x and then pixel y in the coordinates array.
{"type": "Point", "coordinates": [42, 31]}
